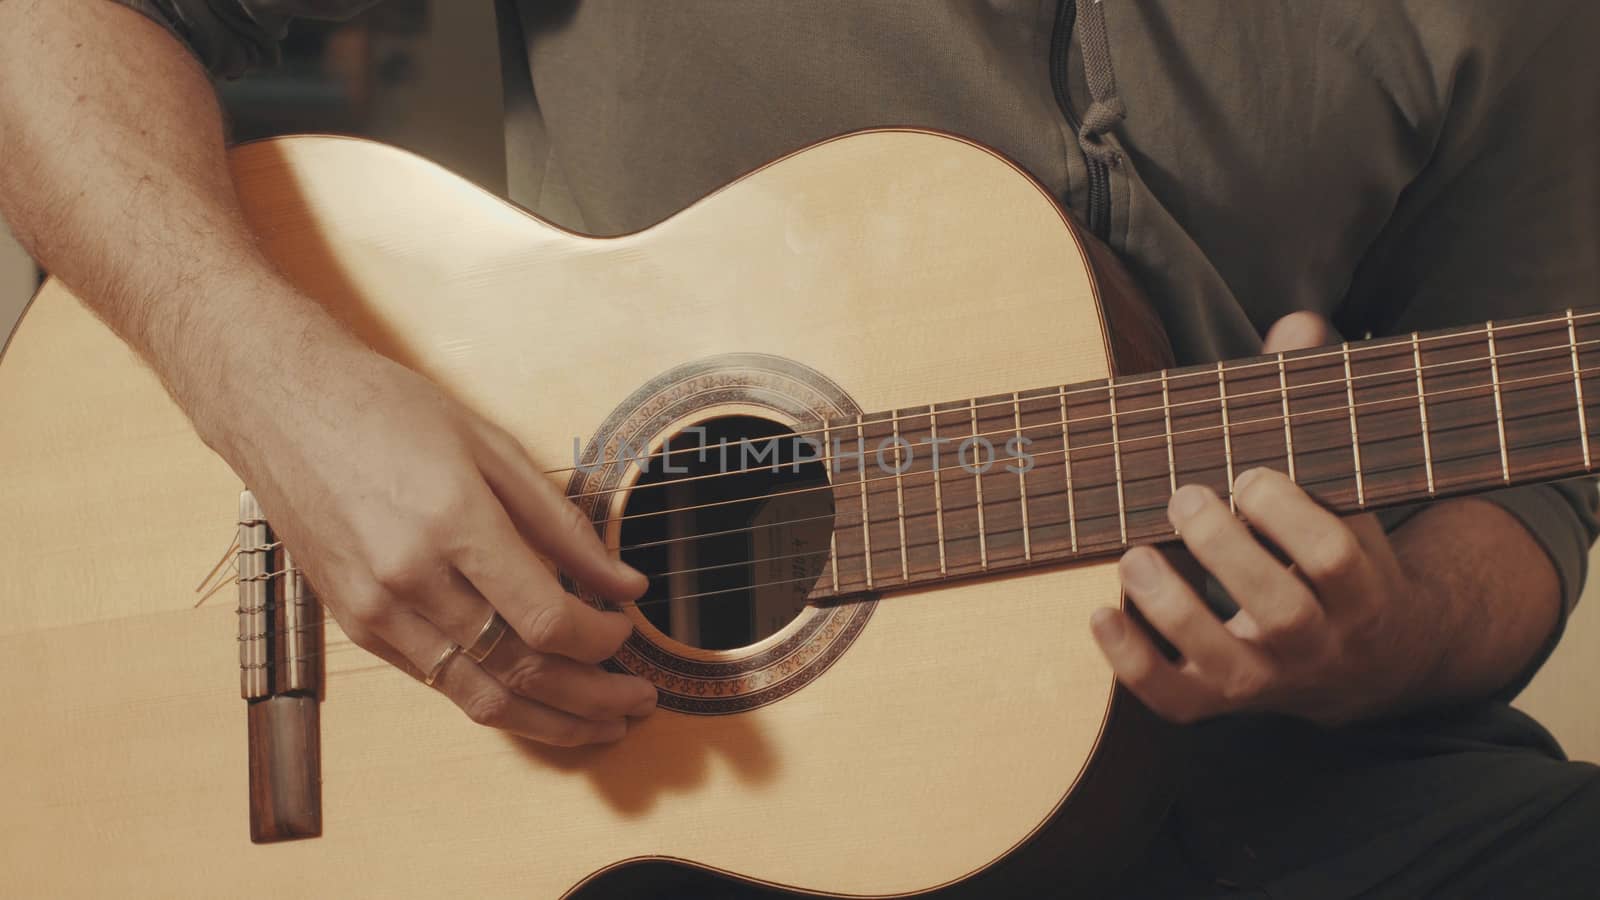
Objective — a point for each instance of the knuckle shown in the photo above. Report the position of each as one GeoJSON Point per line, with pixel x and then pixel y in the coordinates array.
{"type": "Point", "coordinates": [528, 676]}
{"type": "Point", "coordinates": [445, 505]}
{"type": "Point", "coordinates": [364, 614]}
{"type": "Point", "coordinates": [1176, 612]}
{"type": "Point", "coordinates": [543, 625]}
{"type": "Point", "coordinates": [574, 525]}
{"type": "Point", "coordinates": [568, 733]}
{"type": "Point", "coordinates": [1297, 617]}
{"type": "Point", "coordinates": [362, 636]}
{"type": "Point", "coordinates": [1335, 555]}
{"type": "Point", "coordinates": [1243, 686]}
{"type": "Point", "coordinates": [403, 567]}
{"type": "Point", "coordinates": [490, 708]}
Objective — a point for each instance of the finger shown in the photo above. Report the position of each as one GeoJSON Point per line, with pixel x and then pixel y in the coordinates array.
{"type": "Point", "coordinates": [583, 690]}
{"type": "Point", "coordinates": [1297, 331]}
{"type": "Point", "coordinates": [1149, 675]}
{"type": "Point", "coordinates": [552, 524]}
{"type": "Point", "coordinates": [586, 691]}
{"type": "Point", "coordinates": [1290, 617]}
{"type": "Point", "coordinates": [506, 572]}
{"type": "Point", "coordinates": [484, 699]}
{"type": "Point", "coordinates": [1237, 671]}
{"type": "Point", "coordinates": [1325, 551]}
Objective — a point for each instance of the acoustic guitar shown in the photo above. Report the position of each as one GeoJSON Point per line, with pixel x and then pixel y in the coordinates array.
{"type": "Point", "coordinates": [875, 670]}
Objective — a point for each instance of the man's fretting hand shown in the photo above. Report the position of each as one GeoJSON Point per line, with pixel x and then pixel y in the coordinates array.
{"type": "Point", "coordinates": [1326, 639]}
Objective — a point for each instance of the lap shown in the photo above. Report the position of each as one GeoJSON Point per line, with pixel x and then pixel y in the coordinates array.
{"type": "Point", "coordinates": [1476, 804]}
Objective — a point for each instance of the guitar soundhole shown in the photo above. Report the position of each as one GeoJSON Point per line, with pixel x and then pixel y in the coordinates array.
{"type": "Point", "coordinates": [733, 526]}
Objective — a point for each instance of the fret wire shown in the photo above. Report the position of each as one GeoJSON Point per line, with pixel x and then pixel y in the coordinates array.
{"type": "Point", "coordinates": [833, 533]}
{"type": "Point", "coordinates": [1534, 382]}
{"type": "Point", "coordinates": [1116, 456]}
{"type": "Point", "coordinates": [1288, 430]}
{"type": "Point", "coordinates": [1372, 377]}
{"type": "Point", "coordinates": [1166, 418]}
{"type": "Point", "coordinates": [1499, 415]}
{"type": "Point", "coordinates": [977, 480]}
{"type": "Point", "coordinates": [861, 473]}
{"type": "Point", "coordinates": [1066, 460]}
{"type": "Point", "coordinates": [1227, 433]}
{"type": "Point", "coordinates": [1162, 533]}
{"type": "Point", "coordinates": [1560, 350]}
{"type": "Point", "coordinates": [1355, 440]}
{"type": "Point", "coordinates": [1577, 387]}
{"type": "Point", "coordinates": [938, 490]}
{"type": "Point", "coordinates": [1162, 529]}
{"type": "Point", "coordinates": [1022, 479]}
{"type": "Point", "coordinates": [900, 495]}
{"type": "Point", "coordinates": [1422, 411]}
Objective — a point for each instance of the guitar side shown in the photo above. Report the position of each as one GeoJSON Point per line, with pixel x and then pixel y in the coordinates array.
{"type": "Point", "coordinates": [907, 267]}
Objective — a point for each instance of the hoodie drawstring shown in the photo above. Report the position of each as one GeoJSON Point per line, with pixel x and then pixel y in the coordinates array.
{"type": "Point", "coordinates": [1106, 109]}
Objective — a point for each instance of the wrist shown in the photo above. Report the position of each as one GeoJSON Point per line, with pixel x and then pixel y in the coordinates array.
{"type": "Point", "coordinates": [238, 369]}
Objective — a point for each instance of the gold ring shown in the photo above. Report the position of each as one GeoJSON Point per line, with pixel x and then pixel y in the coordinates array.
{"type": "Point", "coordinates": [488, 638]}
{"type": "Point", "coordinates": [448, 654]}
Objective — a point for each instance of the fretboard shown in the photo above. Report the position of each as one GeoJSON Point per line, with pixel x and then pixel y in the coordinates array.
{"type": "Point", "coordinates": [1086, 470]}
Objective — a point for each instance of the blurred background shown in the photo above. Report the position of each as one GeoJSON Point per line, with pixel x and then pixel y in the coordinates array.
{"type": "Point", "coordinates": [423, 74]}
{"type": "Point", "coordinates": [420, 74]}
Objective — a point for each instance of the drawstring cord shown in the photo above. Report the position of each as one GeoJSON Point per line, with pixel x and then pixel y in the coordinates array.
{"type": "Point", "coordinates": [1106, 109]}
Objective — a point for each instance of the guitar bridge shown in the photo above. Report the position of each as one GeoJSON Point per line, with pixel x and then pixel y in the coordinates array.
{"type": "Point", "coordinates": [280, 677]}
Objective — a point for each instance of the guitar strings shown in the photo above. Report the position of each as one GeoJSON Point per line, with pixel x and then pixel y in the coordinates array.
{"type": "Point", "coordinates": [1118, 445]}
{"type": "Point", "coordinates": [1361, 353]}
{"type": "Point", "coordinates": [1341, 446]}
{"type": "Point", "coordinates": [1088, 551]}
{"type": "Point", "coordinates": [1123, 417]}
{"type": "Point", "coordinates": [1273, 423]}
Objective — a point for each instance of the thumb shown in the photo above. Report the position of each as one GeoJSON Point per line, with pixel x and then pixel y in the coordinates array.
{"type": "Point", "coordinates": [1297, 331]}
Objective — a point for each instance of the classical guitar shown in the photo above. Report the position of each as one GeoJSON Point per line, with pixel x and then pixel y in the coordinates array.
{"type": "Point", "coordinates": [875, 669]}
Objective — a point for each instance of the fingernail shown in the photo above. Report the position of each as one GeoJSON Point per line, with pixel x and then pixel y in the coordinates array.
{"type": "Point", "coordinates": [1187, 501]}
{"type": "Point", "coordinates": [1139, 568]}
{"type": "Point", "coordinates": [1107, 625]}
{"type": "Point", "coordinates": [1243, 480]}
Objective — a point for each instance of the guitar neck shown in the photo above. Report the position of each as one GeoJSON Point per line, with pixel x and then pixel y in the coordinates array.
{"type": "Point", "coordinates": [1080, 471]}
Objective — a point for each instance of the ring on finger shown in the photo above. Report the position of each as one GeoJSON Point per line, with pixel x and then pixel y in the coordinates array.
{"type": "Point", "coordinates": [488, 638]}
{"type": "Point", "coordinates": [437, 668]}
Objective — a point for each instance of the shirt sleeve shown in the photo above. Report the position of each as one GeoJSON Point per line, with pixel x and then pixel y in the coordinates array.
{"type": "Point", "coordinates": [230, 37]}
{"type": "Point", "coordinates": [1504, 221]}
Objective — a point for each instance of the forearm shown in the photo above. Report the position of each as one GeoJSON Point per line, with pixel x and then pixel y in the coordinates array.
{"type": "Point", "coordinates": [116, 180]}
{"type": "Point", "coordinates": [1486, 599]}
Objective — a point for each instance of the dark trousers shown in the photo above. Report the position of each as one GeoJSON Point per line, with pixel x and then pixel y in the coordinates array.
{"type": "Point", "coordinates": [1476, 803]}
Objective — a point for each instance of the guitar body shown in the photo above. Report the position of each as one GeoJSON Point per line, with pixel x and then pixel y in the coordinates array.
{"type": "Point", "coordinates": [966, 733]}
